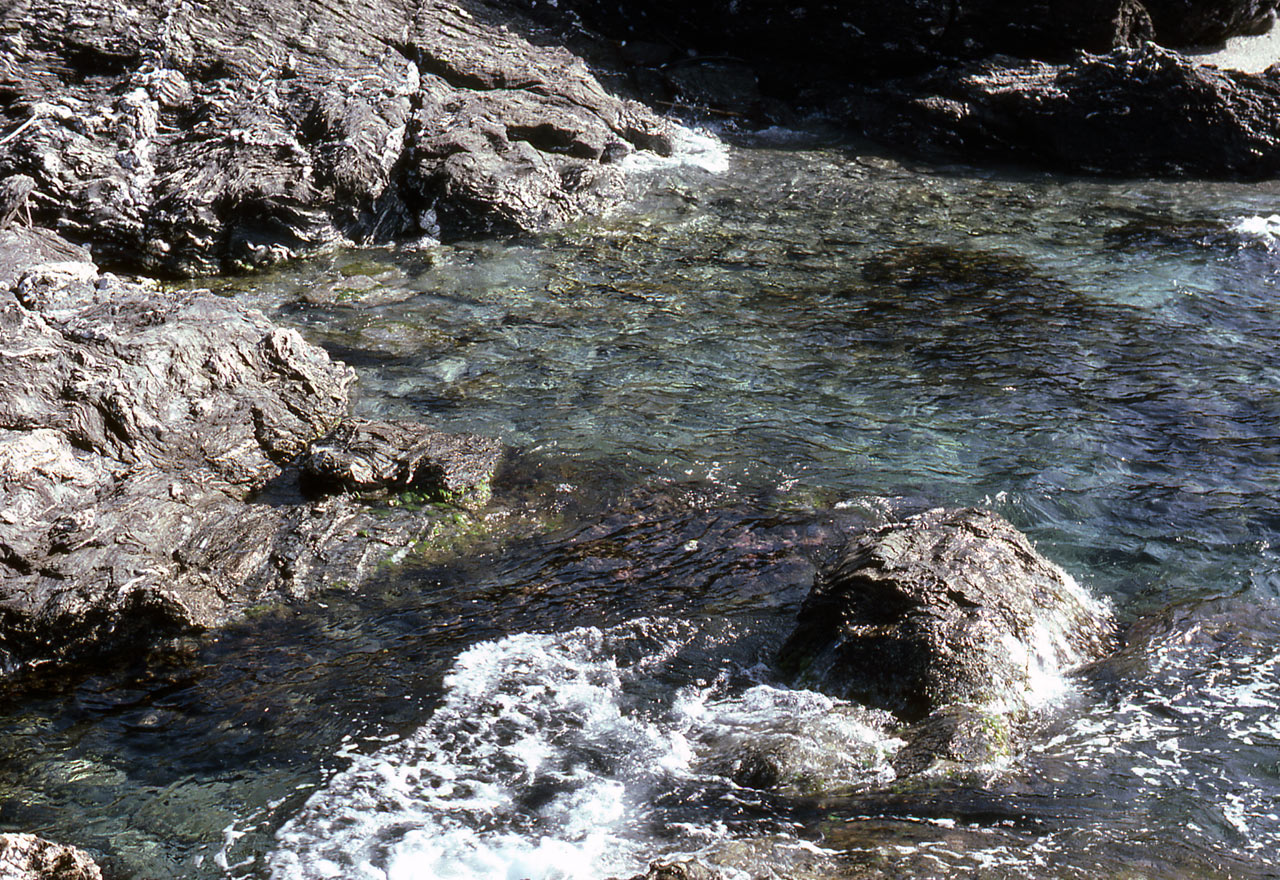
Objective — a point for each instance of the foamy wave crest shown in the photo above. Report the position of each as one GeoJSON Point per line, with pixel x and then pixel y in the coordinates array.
{"type": "Point", "coordinates": [697, 148]}
{"type": "Point", "coordinates": [549, 754]}
{"type": "Point", "coordinates": [1265, 229]}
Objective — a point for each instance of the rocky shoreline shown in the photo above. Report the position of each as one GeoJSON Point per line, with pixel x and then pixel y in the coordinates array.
{"type": "Point", "coordinates": [181, 141]}
{"type": "Point", "coordinates": [170, 460]}
{"type": "Point", "coordinates": [153, 453]}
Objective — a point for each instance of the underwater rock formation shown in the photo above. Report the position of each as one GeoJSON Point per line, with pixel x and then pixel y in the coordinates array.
{"type": "Point", "coordinates": [951, 608]}
{"type": "Point", "coordinates": [188, 139]}
{"type": "Point", "coordinates": [146, 442]}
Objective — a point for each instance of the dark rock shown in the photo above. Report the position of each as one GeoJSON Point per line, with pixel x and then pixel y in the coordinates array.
{"type": "Point", "coordinates": [361, 456]}
{"type": "Point", "coordinates": [145, 439]}
{"type": "Point", "coordinates": [797, 49]}
{"type": "Point", "coordinates": [958, 735]}
{"type": "Point", "coordinates": [1134, 111]}
{"type": "Point", "coordinates": [1208, 22]}
{"type": "Point", "coordinates": [952, 606]}
{"type": "Point", "coordinates": [27, 857]}
{"type": "Point", "coordinates": [716, 83]}
{"type": "Point", "coordinates": [193, 139]}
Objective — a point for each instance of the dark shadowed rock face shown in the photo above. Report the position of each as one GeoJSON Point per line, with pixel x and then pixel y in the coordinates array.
{"type": "Point", "coordinates": [191, 138]}
{"type": "Point", "coordinates": [1139, 111]}
{"type": "Point", "coordinates": [947, 607]}
{"type": "Point", "coordinates": [794, 48]}
{"type": "Point", "coordinates": [145, 439]}
{"type": "Point", "coordinates": [1208, 22]}
{"type": "Point", "coordinates": [27, 857]}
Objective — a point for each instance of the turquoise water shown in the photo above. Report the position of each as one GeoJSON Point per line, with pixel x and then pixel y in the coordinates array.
{"type": "Point", "coordinates": [705, 393]}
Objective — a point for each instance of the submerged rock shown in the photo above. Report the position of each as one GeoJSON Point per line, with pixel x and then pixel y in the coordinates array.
{"type": "Point", "coordinates": [362, 455]}
{"type": "Point", "coordinates": [796, 743]}
{"type": "Point", "coordinates": [146, 439]}
{"type": "Point", "coordinates": [27, 857]}
{"type": "Point", "coordinates": [196, 138]}
{"type": "Point", "coordinates": [1133, 111]}
{"type": "Point", "coordinates": [951, 606]}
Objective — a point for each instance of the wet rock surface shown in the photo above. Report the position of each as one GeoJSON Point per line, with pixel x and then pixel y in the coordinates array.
{"type": "Point", "coordinates": [678, 870]}
{"type": "Point", "coordinates": [27, 857]}
{"type": "Point", "coordinates": [191, 139]}
{"type": "Point", "coordinates": [145, 447]}
{"type": "Point", "coordinates": [362, 455]}
{"type": "Point", "coordinates": [951, 606]}
{"type": "Point", "coordinates": [1144, 111]}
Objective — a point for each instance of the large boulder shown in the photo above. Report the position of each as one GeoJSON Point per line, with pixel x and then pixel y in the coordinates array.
{"type": "Point", "coordinates": [951, 607]}
{"type": "Point", "coordinates": [195, 138]}
{"type": "Point", "coordinates": [146, 444]}
{"type": "Point", "coordinates": [27, 857]}
{"type": "Point", "coordinates": [1144, 111]}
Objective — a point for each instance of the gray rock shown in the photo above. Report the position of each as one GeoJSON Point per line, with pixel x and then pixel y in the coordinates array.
{"type": "Point", "coordinates": [190, 139]}
{"type": "Point", "coordinates": [145, 439]}
{"type": "Point", "coordinates": [362, 455]}
{"type": "Point", "coordinates": [27, 857]}
{"type": "Point", "coordinates": [949, 607]}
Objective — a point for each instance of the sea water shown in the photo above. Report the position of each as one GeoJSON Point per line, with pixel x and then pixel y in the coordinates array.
{"type": "Point", "coordinates": [784, 342]}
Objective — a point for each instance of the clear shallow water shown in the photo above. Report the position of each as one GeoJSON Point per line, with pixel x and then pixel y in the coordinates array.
{"type": "Point", "coordinates": [708, 392]}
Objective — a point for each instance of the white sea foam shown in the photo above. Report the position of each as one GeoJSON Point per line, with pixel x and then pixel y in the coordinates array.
{"type": "Point", "coordinates": [547, 756]}
{"type": "Point", "coordinates": [1265, 229]}
{"type": "Point", "coordinates": [1250, 54]}
{"type": "Point", "coordinates": [697, 148]}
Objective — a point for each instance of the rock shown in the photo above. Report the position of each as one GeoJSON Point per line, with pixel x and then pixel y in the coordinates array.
{"type": "Point", "coordinates": [798, 50]}
{"type": "Point", "coordinates": [1145, 111]}
{"type": "Point", "coordinates": [951, 606]}
{"type": "Point", "coordinates": [954, 736]}
{"type": "Point", "coordinates": [681, 870]}
{"type": "Point", "coordinates": [146, 449]}
{"type": "Point", "coordinates": [803, 744]}
{"type": "Point", "coordinates": [361, 456]}
{"type": "Point", "coordinates": [192, 139]}
{"type": "Point", "coordinates": [27, 857]}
